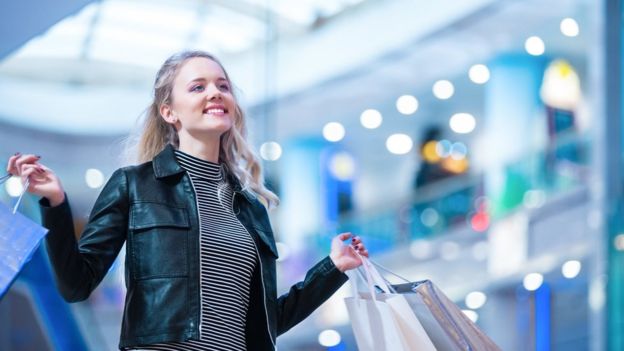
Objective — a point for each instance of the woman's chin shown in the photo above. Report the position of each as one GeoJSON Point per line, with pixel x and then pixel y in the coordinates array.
{"type": "Point", "coordinates": [219, 127]}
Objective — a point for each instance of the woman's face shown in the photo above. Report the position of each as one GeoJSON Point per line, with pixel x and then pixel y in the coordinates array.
{"type": "Point", "coordinates": [202, 101]}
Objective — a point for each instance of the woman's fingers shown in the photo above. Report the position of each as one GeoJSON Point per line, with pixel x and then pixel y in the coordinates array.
{"type": "Point", "coordinates": [359, 246]}
{"type": "Point", "coordinates": [356, 241]}
{"type": "Point", "coordinates": [344, 236]}
{"type": "Point", "coordinates": [31, 170]}
{"type": "Point", "coordinates": [12, 161]}
{"type": "Point", "coordinates": [17, 161]}
{"type": "Point", "coordinates": [23, 168]}
{"type": "Point", "coordinates": [26, 159]}
{"type": "Point", "coordinates": [28, 174]}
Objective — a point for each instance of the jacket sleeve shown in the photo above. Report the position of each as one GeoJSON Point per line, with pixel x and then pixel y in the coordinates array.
{"type": "Point", "coordinates": [79, 266]}
{"type": "Point", "coordinates": [320, 283]}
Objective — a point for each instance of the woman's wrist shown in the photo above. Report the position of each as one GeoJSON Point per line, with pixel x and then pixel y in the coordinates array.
{"type": "Point", "coordinates": [336, 263]}
{"type": "Point", "coordinates": [56, 199]}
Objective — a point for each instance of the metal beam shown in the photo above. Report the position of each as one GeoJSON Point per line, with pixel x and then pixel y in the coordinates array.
{"type": "Point", "coordinates": [259, 12]}
{"type": "Point", "coordinates": [21, 21]}
{"type": "Point", "coordinates": [614, 175]}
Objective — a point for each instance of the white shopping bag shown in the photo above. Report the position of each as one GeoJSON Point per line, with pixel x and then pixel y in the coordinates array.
{"type": "Point", "coordinates": [446, 325]}
{"type": "Point", "coordinates": [383, 321]}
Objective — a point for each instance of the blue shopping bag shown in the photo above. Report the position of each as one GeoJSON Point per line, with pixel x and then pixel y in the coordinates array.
{"type": "Point", "coordinates": [19, 238]}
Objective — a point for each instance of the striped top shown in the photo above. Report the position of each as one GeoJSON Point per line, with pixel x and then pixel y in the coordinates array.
{"type": "Point", "coordinates": [228, 257]}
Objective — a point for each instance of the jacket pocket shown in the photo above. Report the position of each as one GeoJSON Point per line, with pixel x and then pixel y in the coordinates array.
{"type": "Point", "coordinates": [157, 306]}
{"type": "Point", "coordinates": [159, 240]}
{"type": "Point", "coordinates": [266, 237]}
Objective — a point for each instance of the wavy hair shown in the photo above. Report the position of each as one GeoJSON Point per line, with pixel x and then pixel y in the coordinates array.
{"type": "Point", "coordinates": [234, 150]}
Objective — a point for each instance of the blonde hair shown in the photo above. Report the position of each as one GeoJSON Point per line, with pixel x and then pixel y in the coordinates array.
{"type": "Point", "coordinates": [235, 152]}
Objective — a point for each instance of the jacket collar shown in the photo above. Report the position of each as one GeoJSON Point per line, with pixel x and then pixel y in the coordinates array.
{"type": "Point", "coordinates": [165, 164]}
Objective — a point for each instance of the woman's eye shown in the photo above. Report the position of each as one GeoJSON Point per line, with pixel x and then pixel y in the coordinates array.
{"type": "Point", "coordinates": [198, 88]}
{"type": "Point", "coordinates": [224, 87]}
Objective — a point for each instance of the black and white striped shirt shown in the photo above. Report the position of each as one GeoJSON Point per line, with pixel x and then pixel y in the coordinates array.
{"type": "Point", "coordinates": [227, 260]}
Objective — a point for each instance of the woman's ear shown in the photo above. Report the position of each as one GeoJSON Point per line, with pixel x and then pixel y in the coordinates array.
{"type": "Point", "coordinates": [167, 114]}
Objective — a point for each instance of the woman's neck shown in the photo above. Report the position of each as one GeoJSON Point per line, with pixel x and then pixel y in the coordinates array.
{"type": "Point", "coordinates": [207, 150]}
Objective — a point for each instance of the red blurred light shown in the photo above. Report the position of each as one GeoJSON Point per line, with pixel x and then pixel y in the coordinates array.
{"type": "Point", "coordinates": [480, 221]}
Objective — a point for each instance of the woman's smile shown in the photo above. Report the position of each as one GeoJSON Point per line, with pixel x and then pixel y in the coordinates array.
{"type": "Point", "coordinates": [215, 110]}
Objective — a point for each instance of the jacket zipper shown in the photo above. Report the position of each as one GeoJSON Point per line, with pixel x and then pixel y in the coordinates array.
{"type": "Point", "coordinates": [266, 312]}
{"type": "Point", "coordinates": [199, 258]}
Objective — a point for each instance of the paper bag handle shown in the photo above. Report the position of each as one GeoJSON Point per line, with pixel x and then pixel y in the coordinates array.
{"type": "Point", "coordinates": [21, 195]}
{"type": "Point", "coordinates": [372, 278]}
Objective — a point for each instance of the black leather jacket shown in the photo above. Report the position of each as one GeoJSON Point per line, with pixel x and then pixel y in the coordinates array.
{"type": "Point", "coordinates": [152, 208]}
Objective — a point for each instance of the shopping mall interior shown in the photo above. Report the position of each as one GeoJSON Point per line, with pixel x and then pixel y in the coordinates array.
{"type": "Point", "coordinates": [473, 143]}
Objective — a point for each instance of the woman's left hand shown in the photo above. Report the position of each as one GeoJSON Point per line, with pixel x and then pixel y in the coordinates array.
{"type": "Point", "coordinates": [344, 256]}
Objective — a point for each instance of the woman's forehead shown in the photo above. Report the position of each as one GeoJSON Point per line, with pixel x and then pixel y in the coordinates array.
{"type": "Point", "coordinates": [200, 67]}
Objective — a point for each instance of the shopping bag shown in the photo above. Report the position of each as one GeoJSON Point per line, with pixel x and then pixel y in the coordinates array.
{"type": "Point", "coordinates": [446, 325]}
{"type": "Point", "coordinates": [19, 238]}
{"type": "Point", "coordinates": [384, 321]}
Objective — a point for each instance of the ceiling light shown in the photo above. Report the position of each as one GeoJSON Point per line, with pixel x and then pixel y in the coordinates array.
{"type": "Point", "coordinates": [569, 27]}
{"type": "Point", "coordinates": [462, 123]}
{"type": "Point", "coordinates": [333, 131]}
{"type": "Point", "coordinates": [270, 151]}
{"type": "Point", "coordinates": [479, 74]}
{"type": "Point", "coordinates": [371, 118]}
{"type": "Point", "coordinates": [399, 144]}
{"type": "Point", "coordinates": [534, 46]}
{"type": "Point", "coordinates": [443, 89]}
{"type": "Point", "coordinates": [407, 104]}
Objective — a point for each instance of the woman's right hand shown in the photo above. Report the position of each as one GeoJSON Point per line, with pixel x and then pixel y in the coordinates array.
{"type": "Point", "coordinates": [43, 181]}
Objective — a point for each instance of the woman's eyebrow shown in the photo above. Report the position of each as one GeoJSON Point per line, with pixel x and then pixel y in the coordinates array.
{"type": "Point", "coordinates": [200, 79]}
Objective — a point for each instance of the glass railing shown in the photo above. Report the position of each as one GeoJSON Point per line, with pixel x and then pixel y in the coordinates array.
{"type": "Point", "coordinates": [466, 200]}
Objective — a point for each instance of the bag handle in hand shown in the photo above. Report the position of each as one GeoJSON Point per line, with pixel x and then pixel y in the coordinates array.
{"type": "Point", "coordinates": [367, 278]}
{"type": "Point", "coordinates": [373, 278]}
{"type": "Point", "coordinates": [378, 280]}
{"type": "Point", "coordinates": [6, 177]}
{"type": "Point", "coordinates": [389, 271]}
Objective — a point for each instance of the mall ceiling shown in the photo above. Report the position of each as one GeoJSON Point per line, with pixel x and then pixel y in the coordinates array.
{"type": "Point", "coordinates": [297, 65]}
{"type": "Point", "coordinates": [301, 63]}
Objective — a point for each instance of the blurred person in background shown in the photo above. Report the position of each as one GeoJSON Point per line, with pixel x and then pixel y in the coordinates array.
{"type": "Point", "coordinates": [439, 163]}
{"type": "Point", "coordinates": [200, 253]}
{"type": "Point", "coordinates": [432, 167]}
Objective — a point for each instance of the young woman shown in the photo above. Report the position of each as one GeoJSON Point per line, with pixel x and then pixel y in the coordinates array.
{"type": "Point", "coordinates": [200, 252]}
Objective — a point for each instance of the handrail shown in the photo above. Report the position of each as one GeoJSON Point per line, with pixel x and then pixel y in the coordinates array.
{"type": "Point", "coordinates": [533, 166]}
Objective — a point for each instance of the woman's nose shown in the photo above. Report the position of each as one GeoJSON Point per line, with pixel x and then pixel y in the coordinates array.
{"type": "Point", "coordinates": [213, 93]}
